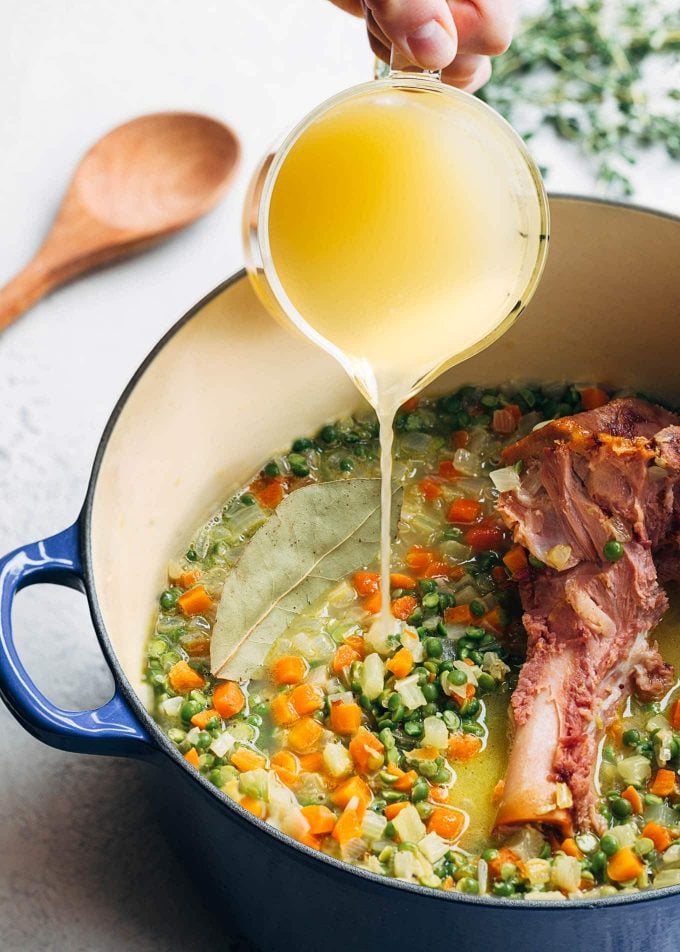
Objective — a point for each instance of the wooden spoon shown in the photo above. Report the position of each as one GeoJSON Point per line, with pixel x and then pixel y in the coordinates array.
{"type": "Point", "coordinates": [143, 181]}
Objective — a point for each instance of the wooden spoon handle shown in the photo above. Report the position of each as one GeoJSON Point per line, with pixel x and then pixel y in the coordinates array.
{"type": "Point", "coordinates": [25, 289]}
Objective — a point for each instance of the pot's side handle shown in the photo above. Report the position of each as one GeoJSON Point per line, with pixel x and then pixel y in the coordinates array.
{"type": "Point", "coordinates": [111, 729]}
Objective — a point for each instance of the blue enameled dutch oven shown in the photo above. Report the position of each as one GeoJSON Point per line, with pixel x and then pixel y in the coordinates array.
{"type": "Point", "coordinates": [606, 310]}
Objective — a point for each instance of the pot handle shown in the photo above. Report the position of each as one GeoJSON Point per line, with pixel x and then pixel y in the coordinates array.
{"type": "Point", "coordinates": [111, 729]}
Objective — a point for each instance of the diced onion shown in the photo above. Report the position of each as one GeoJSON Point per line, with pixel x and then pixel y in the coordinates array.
{"type": "Point", "coordinates": [435, 734]}
{"type": "Point", "coordinates": [566, 873]}
{"type": "Point", "coordinates": [505, 479]}
{"type": "Point", "coordinates": [408, 825]}
{"type": "Point", "coordinates": [634, 770]}
{"type": "Point", "coordinates": [433, 847]}
{"type": "Point", "coordinates": [558, 557]}
{"type": "Point", "coordinates": [171, 706]}
{"type": "Point", "coordinates": [409, 692]}
{"type": "Point", "coordinates": [373, 675]}
{"type": "Point", "coordinates": [337, 759]}
{"type": "Point", "coordinates": [222, 744]}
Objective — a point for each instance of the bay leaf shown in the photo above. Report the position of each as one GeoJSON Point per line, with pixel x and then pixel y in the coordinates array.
{"type": "Point", "coordinates": [315, 537]}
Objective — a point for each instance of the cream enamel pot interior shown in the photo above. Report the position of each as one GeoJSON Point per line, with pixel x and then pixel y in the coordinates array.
{"type": "Point", "coordinates": [606, 310]}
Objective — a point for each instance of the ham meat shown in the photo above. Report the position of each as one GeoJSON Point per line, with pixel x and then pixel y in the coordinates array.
{"type": "Point", "coordinates": [610, 474]}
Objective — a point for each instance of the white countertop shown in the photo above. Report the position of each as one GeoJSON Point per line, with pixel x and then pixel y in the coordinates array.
{"type": "Point", "coordinates": [83, 863]}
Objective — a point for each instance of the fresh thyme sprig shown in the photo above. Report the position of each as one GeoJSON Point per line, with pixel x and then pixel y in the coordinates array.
{"type": "Point", "coordinates": [603, 74]}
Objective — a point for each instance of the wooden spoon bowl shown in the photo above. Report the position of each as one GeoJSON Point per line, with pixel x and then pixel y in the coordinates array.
{"type": "Point", "coordinates": [143, 181]}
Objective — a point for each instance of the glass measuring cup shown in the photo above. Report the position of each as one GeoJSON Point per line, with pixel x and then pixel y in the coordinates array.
{"type": "Point", "coordinates": [339, 251]}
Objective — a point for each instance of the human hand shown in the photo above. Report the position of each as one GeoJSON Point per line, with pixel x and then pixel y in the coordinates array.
{"type": "Point", "coordinates": [456, 36]}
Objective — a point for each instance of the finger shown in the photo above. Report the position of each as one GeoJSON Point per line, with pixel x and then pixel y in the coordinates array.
{"type": "Point", "coordinates": [484, 26]}
{"type": "Point", "coordinates": [422, 30]}
{"type": "Point", "coordinates": [469, 71]}
{"type": "Point", "coordinates": [350, 6]}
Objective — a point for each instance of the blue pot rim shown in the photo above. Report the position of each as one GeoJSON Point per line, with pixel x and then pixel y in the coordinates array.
{"type": "Point", "coordinates": [166, 747]}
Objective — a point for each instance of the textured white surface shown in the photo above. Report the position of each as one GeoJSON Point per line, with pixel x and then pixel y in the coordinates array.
{"type": "Point", "coordinates": [83, 863]}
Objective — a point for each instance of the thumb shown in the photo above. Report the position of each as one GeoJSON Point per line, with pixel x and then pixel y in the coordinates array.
{"type": "Point", "coordinates": [422, 30]}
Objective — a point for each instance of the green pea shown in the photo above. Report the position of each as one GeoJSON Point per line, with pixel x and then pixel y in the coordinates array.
{"type": "Point", "coordinates": [451, 720]}
{"type": "Point", "coordinates": [433, 647]}
{"type": "Point", "coordinates": [248, 499]}
{"type": "Point", "coordinates": [485, 683]}
{"type": "Point", "coordinates": [476, 657]}
{"type": "Point", "coordinates": [393, 796]}
{"type": "Point", "coordinates": [652, 800]}
{"type": "Point", "coordinates": [347, 465]}
{"type": "Point", "coordinates": [254, 719]}
{"type": "Point", "coordinates": [398, 714]}
{"type": "Point", "coordinates": [431, 666]}
{"type": "Point", "coordinates": [431, 600]}
{"type": "Point", "coordinates": [621, 808]}
{"type": "Point", "coordinates": [445, 666]}
{"type": "Point", "coordinates": [176, 735]}
{"type": "Point", "coordinates": [609, 844]}
{"type": "Point", "coordinates": [271, 469]}
{"type": "Point", "coordinates": [393, 756]}
{"type": "Point", "coordinates": [427, 585]}
{"type": "Point", "coordinates": [612, 551]}
{"type": "Point", "coordinates": [298, 464]}
{"type": "Point", "coordinates": [463, 651]}
{"type": "Point", "coordinates": [430, 691]}
{"type": "Point", "coordinates": [536, 563]}
{"type": "Point", "coordinates": [470, 707]}
{"type": "Point", "coordinates": [302, 444]}
{"type": "Point", "coordinates": [427, 768]}
{"type": "Point", "coordinates": [203, 740]}
{"type": "Point", "coordinates": [459, 678]}
{"type": "Point", "coordinates": [508, 871]}
{"type": "Point", "coordinates": [157, 648]}
{"type": "Point", "coordinates": [477, 608]}
{"type": "Point", "coordinates": [598, 862]}
{"type": "Point", "coordinates": [329, 434]}
{"type": "Point", "coordinates": [443, 776]}
{"type": "Point", "coordinates": [473, 727]}
{"type": "Point", "coordinates": [490, 854]}
{"type": "Point", "coordinates": [189, 709]}
{"type": "Point", "coordinates": [387, 738]}
{"type": "Point", "coordinates": [430, 709]}
{"type": "Point", "coordinates": [474, 633]}
{"type": "Point", "coordinates": [631, 738]}
{"type": "Point", "coordinates": [425, 810]}
{"type": "Point", "coordinates": [191, 555]}
{"type": "Point", "coordinates": [390, 831]}
{"type": "Point", "coordinates": [169, 598]}
{"type": "Point", "coordinates": [503, 889]}
{"type": "Point", "coordinates": [644, 846]}
{"type": "Point", "coordinates": [420, 790]}
{"type": "Point", "coordinates": [393, 701]}
{"type": "Point", "coordinates": [386, 723]}
{"type": "Point", "coordinates": [413, 728]}
{"type": "Point", "coordinates": [468, 885]}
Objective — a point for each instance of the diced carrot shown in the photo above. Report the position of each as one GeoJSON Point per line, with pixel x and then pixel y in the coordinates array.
{"type": "Point", "coordinates": [366, 583]}
{"type": "Point", "coordinates": [348, 826]}
{"type": "Point", "coordinates": [624, 865]}
{"type": "Point", "coordinates": [268, 490]}
{"type": "Point", "coordinates": [191, 757]}
{"type": "Point", "coordinates": [439, 794]}
{"type": "Point", "coordinates": [196, 601]}
{"type": "Point", "coordinates": [282, 711]}
{"type": "Point", "coordinates": [183, 678]}
{"type": "Point", "coordinates": [429, 489]}
{"type": "Point", "coordinates": [516, 561]}
{"type": "Point", "coordinates": [312, 763]}
{"type": "Point", "coordinates": [357, 643]}
{"type": "Point", "coordinates": [443, 570]}
{"type": "Point", "coordinates": [460, 439]}
{"type": "Point", "coordinates": [447, 823]}
{"type": "Point", "coordinates": [498, 791]}
{"type": "Point", "coordinates": [499, 575]}
{"type": "Point", "coordinates": [343, 657]}
{"type": "Point", "coordinates": [469, 692]}
{"type": "Point", "coordinates": [458, 615]}
{"type": "Point", "coordinates": [411, 404]}
{"type": "Point", "coordinates": [633, 797]}
{"type": "Point", "coordinates": [418, 558]}
{"type": "Point", "coordinates": [308, 839]}
{"type": "Point", "coordinates": [253, 806]}
{"type": "Point", "coordinates": [464, 511]}
{"type": "Point", "coordinates": [405, 782]}
{"type": "Point", "coordinates": [593, 397]}
{"type": "Point", "coordinates": [289, 669]}
{"type": "Point", "coordinates": [448, 470]}
{"type": "Point", "coordinates": [493, 620]}
{"type": "Point", "coordinates": [394, 809]}
{"type": "Point", "coordinates": [401, 663]}
{"type": "Point", "coordinates": [345, 717]}
{"type": "Point", "coordinates": [675, 715]}
{"type": "Point", "coordinates": [505, 855]}
{"type": "Point", "coordinates": [373, 604]}
{"type": "Point", "coordinates": [366, 751]}
{"type": "Point", "coordinates": [304, 735]}
{"type": "Point", "coordinates": [463, 747]}
{"type": "Point", "coordinates": [404, 607]}
{"type": "Point", "coordinates": [399, 580]}
{"type": "Point", "coordinates": [306, 699]}
{"type": "Point", "coordinates": [203, 718]}
{"type": "Point", "coordinates": [664, 783]}
{"type": "Point", "coordinates": [569, 847]}
{"type": "Point", "coordinates": [505, 419]}
{"type": "Point", "coordinates": [354, 787]}
{"type": "Point", "coordinates": [228, 699]}
{"type": "Point", "coordinates": [483, 538]}
{"type": "Point", "coordinates": [659, 835]}
{"type": "Point", "coordinates": [187, 579]}
{"type": "Point", "coordinates": [448, 884]}
{"type": "Point", "coordinates": [244, 759]}
{"type": "Point", "coordinates": [321, 820]}
{"type": "Point", "coordinates": [284, 760]}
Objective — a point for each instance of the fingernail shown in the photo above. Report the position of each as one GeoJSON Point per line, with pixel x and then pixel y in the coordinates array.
{"type": "Point", "coordinates": [431, 46]}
